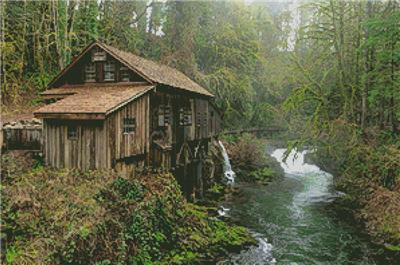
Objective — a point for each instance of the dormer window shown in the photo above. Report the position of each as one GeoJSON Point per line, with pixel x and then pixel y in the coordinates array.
{"type": "Point", "coordinates": [90, 72]}
{"type": "Point", "coordinates": [109, 71]}
{"type": "Point", "coordinates": [124, 74]}
{"type": "Point", "coordinates": [99, 56]}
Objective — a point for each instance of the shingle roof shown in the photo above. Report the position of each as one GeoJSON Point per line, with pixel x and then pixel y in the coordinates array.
{"type": "Point", "coordinates": [100, 100]}
{"type": "Point", "coordinates": [64, 91]}
{"type": "Point", "coordinates": [156, 72]}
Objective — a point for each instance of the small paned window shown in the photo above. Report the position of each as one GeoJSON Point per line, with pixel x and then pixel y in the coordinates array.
{"type": "Point", "coordinates": [185, 117]}
{"type": "Point", "coordinates": [164, 115]}
{"type": "Point", "coordinates": [109, 71]}
{"type": "Point", "coordinates": [124, 74]}
{"type": "Point", "coordinates": [129, 125]}
{"type": "Point", "coordinates": [72, 132]}
{"type": "Point", "coordinates": [90, 72]}
{"type": "Point", "coordinates": [99, 56]}
{"type": "Point", "coordinates": [198, 119]}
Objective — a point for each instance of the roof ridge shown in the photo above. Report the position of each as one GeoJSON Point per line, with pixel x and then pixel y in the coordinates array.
{"type": "Point", "coordinates": [187, 84]}
{"type": "Point", "coordinates": [151, 71]}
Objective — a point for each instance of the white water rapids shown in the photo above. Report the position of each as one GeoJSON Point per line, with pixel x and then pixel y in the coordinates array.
{"type": "Point", "coordinates": [284, 218]}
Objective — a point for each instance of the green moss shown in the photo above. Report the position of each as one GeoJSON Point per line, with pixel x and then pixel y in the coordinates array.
{"type": "Point", "coordinates": [250, 161]}
{"type": "Point", "coordinates": [263, 175]}
{"type": "Point", "coordinates": [99, 217]}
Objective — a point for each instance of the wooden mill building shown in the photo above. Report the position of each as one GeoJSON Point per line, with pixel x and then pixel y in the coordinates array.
{"type": "Point", "coordinates": [113, 109]}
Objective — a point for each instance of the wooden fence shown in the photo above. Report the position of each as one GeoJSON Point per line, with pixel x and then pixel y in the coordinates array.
{"type": "Point", "coordinates": [21, 138]}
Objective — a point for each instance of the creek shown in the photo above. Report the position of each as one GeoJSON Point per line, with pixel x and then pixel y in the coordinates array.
{"type": "Point", "coordinates": [294, 221]}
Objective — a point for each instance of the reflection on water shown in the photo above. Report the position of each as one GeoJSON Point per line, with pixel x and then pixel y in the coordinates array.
{"type": "Point", "coordinates": [291, 221]}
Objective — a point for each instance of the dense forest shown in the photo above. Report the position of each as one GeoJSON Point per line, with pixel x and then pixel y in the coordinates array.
{"type": "Point", "coordinates": [329, 71]}
{"type": "Point", "coordinates": [233, 49]}
{"type": "Point", "coordinates": [339, 58]}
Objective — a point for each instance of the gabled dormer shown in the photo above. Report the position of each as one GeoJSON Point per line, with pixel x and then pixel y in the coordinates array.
{"type": "Point", "coordinates": [103, 65]}
{"type": "Point", "coordinates": [96, 65]}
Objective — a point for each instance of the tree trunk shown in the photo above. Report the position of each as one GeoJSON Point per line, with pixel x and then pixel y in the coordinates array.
{"type": "Point", "coordinates": [368, 69]}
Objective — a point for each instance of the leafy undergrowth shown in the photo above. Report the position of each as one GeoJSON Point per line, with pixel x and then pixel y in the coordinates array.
{"type": "Point", "coordinates": [368, 170]}
{"type": "Point", "coordinates": [250, 160]}
{"type": "Point", "coordinates": [371, 179]}
{"type": "Point", "coordinates": [71, 217]}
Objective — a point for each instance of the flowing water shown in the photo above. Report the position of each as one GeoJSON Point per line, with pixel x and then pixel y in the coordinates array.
{"type": "Point", "coordinates": [228, 172]}
{"type": "Point", "coordinates": [292, 222]}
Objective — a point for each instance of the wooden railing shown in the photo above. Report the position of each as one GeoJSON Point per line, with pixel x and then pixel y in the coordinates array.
{"type": "Point", "coordinates": [269, 130]}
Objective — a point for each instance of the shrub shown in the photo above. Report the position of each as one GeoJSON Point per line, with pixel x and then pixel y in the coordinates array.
{"type": "Point", "coordinates": [250, 161]}
{"type": "Point", "coordinates": [97, 217]}
{"type": "Point", "coordinates": [367, 165]}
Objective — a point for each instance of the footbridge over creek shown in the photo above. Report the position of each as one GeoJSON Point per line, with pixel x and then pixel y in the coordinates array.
{"type": "Point", "coordinates": [264, 131]}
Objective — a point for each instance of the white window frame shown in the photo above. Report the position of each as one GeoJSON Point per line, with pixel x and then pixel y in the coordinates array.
{"type": "Point", "coordinates": [129, 125]}
{"type": "Point", "coordinates": [109, 69]}
{"type": "Point", "coordinates": [90, 69]}
{"type": "Point", "coordinates": [124, 74]}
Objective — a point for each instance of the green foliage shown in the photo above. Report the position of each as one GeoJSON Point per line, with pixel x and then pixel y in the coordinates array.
{"type": "Point", "coordinates": [345, 102]}
{"type": "Point", "coordinates": [217, 188]}
{"type": "Point", "coordinates": [128, 190]}
{"type": "Point", "coordinates": [262, 175]}
{"type": "Point", "coordinates": [249, 160]}
{"type": "Point", "coordinates": [99, 217]}
{"type": "Point", "coordinates": [393, 248]}
{"type": "Point", "coordinates": [225, 46]}
{"type": "Point", "coordinates": [12, 254]}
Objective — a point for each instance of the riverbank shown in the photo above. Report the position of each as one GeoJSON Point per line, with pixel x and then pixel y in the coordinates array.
{"type": "Point", "coordinates": [97, 217]}
{"type": "Point", "coordinates": [369, 177]}
{"type": "Point", "coordinates": [295, 219]}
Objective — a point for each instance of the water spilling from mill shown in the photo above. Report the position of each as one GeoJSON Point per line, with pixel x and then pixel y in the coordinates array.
{"type": "Point", "coordinates": [294, 223]}
{"type": "Point", "coordinates": [229, 175]}
{"type": "Point", "coordinates": [228, 172]}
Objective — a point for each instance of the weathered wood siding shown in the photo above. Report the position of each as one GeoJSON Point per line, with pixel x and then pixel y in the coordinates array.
{"type": "Point", "coordinates": [100, 144]}
{"type": "Point", "coordinates": [214, 121]}
{"type": "Point", "coordinates": [22, 138]}
{"type": "Point", "coordinates": [174, 131]}
{"type": "Point", "coordinates": [123, 146]}
{"type": "Point", "coordinates": [76, 74]}
{"type": "Point", "coordinates": [201, 118]}
{"type": "Point", "coordinates": [167, 140]}
{"type": "Point", "coordinates": [87, 151]}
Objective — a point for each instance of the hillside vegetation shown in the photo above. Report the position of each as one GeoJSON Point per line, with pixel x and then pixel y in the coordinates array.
{"type": "Point", "coordinates": [250, 161]}
{"type": "Point", "coordinates": [328, 70]}
{"type": "Point", "coordinates": [71, 217]}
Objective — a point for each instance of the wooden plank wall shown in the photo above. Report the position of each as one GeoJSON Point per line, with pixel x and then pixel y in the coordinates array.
{"type": "Point", "coordinates": [86, 152]}
{"type": "Point", "coordinates": [22, 138]}
{"type": "Point", "coordinates": [215, 121]}
{"type": "Point", "coordinates": [122, 145]}
{"type": "Point", "coordinates": [103, 144]}
{"type": "Point", "coordinates": [201, 119]}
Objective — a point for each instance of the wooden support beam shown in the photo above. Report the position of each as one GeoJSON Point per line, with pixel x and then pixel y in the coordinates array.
{"type": "Point", "coordinates": [71, 116]}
